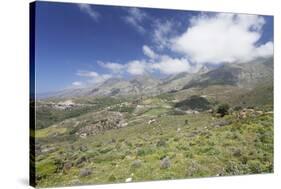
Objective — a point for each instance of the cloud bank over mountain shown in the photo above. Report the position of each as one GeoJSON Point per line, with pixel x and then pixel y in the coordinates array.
{"type": "Point", "coordinates": [207, 38]}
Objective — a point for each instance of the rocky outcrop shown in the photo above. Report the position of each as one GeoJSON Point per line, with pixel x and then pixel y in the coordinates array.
{"type": "Point", "coordinates": [113, 120]}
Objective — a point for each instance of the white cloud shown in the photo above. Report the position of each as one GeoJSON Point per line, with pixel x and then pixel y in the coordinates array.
{"type": "Point", "coordinates": [101, 78]}
{"type": "Point", "coordinates": [87, 74]}
{"type": "Point", "coordinates": [137, 67]}
{"type": "Point", "coordinates": [168, 65]}
{"type": "Point", "coordinates": [148, 52]}
{"type": "Point", "coordinates": [164, 63]}
{"type": "Point", "coordinates": [112, 66]}
{"type": "Point", "coordinates": [135, 18]}
{"type": "Point", "coordinates": [77, 83]}
{"type": "Point", "coordinates": [223, 38]}
{"type": "Point", "coordinates": [161, 33]}
{"type": "Point", "coordinates": [90, 11]}
{"type": "Point", "coordinates": [155, 62]}
{"type": "Point", "coordinates": [208, 39]}
{"type": "Point", "coordinates": [264, 50]}
{"type": "Point", "coordinates": [94, 77]}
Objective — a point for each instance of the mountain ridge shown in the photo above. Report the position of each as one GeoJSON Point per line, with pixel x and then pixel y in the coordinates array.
{"type": "Point", "coordinates": [243, 75]}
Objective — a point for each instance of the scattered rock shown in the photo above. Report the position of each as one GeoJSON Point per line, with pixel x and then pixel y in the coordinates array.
{"type": "Point", "coordinates": [124, 124]}
{"type": "Point", "coordinates": [221, 123]}
{"type": "Point", "coordinates": [37, 149]}
{"type": "Point", "coordinates": [210, 111]}
{"type": "Point", "coordinates": [75, 182]}
{"type": "Point", "coordinates": [193, 134]}
{"type": "Point", "coordinates": [83, 135]}
{"type": "Point", "coordinates": [151, 121]}
{"type": "Point", "coordinates": [237, 153]}
{"type": "Point", "coordinates": [48, 150]}
{"type": "Point", "coordinates": [85, 172]}
{"type": "Point", "coordinates": [246, 112]}
{"type": "Point", "coordinates": [161, 142]}
{"type": "Point", "coordinates": [217, 115]}
{"type": "Point", "coordinates": [105, 150]}
{"type": "Point", "coordinates": [178, 129]}
{"type": "Point", "coordinates": [242, 115]}
{"type": "Point", "coordinates": [136, 163]}
{"type": "Point", "coordinates": [67, 166]}
{"type": "Point", "coordinates": [83, 148]}
{"type": "Point", "coordinates": [165, 163]}
{"type": "Point", "coordinates": [259, 112]}
{"type": "Point", "coordinates": [192, 169]}
{"type": "Point", "coordinates": [249, 110]}
{"type": "Point", "coordinates": [195, 112]}
{"type": "Point", "coordinates": [81, 160]}
{"type": "Point", "coordinates": [191, 112]}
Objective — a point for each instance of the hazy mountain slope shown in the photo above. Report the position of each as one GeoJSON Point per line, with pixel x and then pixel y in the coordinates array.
{"type": "Point", "coordinates": [115, 87]}
{"type": "Point", "coordinates": [121, 87]}
{"type": "Point", "coordinates": [261, 95]}
{"type": "Point", "coordinates": [175, 82]}
{"type": "Point", "coordinates": [245, 75]}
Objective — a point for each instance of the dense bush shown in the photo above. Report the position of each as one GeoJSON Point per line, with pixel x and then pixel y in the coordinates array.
{"type": "Point", "coordinates": [223, 109]}
{"type": "Point", "coordinates": [195, 103]}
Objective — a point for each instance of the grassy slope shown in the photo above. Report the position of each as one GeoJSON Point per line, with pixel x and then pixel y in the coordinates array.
{"type": "Point", "coordinates": [199, 149]}
{"type": "Point", "coordinates": [259, 96]}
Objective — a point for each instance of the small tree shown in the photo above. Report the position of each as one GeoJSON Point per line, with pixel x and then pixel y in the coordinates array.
{"type": "Point", "coordinates": [223, 109]}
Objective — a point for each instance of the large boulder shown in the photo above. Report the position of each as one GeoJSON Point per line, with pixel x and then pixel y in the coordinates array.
{"type": "Point", "coordinates": [221, 123]}
{"type": "Point", "coordinates": [165, 163]}
{"type": "Point", "coordinates": [136, 163]}
{"type": "Point", "coordinates": [85, 172]}
{"type": "Point", "coordinates": [67, 166]}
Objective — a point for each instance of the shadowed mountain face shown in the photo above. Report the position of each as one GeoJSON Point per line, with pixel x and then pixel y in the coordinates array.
{"type": "Point", "coordinates": [242, 75]}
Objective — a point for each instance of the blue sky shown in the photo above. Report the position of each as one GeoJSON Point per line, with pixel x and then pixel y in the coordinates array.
{"type": "Point", "coordinates": [79, 45]}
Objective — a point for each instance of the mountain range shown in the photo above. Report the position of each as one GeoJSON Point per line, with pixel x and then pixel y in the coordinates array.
{"type": "Point", "coordinates": [241, 75]}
